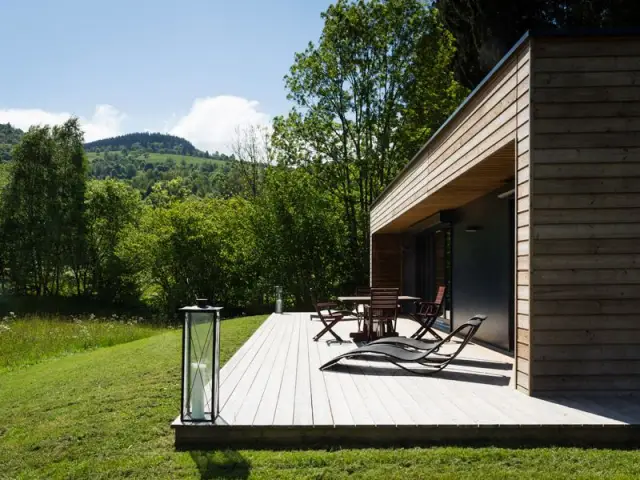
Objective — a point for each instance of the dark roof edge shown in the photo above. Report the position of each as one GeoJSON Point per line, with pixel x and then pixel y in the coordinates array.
{"type": "Point", "coordinates": [473, 93]}
{"type": "Point", "coordinates": [570, 32]}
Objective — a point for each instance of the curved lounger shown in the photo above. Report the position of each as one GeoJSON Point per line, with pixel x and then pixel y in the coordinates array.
{"type": "Point", "coordinates": [396, 354]}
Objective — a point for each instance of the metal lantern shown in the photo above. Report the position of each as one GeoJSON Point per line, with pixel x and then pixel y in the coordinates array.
{"type": "Point", "coordinates": [200, 362]}
{"type": "Point", "coordinates": [278, 299]}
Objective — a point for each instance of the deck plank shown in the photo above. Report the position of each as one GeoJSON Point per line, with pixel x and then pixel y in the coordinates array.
{"type": "Point", "coordinates": [248, 410]}
{"type": "Point", "coordinates": [241, 392]}
{"type": "Point", "coordinates": [266, 411]}
{"type": "Point", "coordinates": [286, 395]}
{"type": "Point", "coordinates": [319, 397]}
{"type": "Point", "coordinates": [340, 410]}
{"type": "Point", "coordinates": [233, 371]}
{"type": "Point", "coordinates": [303, 407]}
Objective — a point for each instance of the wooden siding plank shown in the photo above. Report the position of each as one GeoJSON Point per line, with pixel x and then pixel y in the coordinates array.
{"type": "Point", "coordinates": [523, 262]}
{"type": "Point", "coordinates": [588, 125]}
{"type": "Point", "coordinates": [586, 322]}
{"type": "Point", "coordinates": [579, 231]}
{"type": "Point", "coordinates": [586, 47]}
{"type": "Point", "coordinates": [585, 94]}
{"type": "Point", "coordinates": [606, 383]}
{"type": "Point", "coordinates": [586, 337]}
{"type": "Point", "coordinates": [586, 110]}
{"type": "Point", "coordinates": [523, 292]}
{"type": "Point", "coordinates": [590, 306]}
{"type": "Point", "coordinates": [586, 352]}
{"type": "Point", "coordinates": [586, 186]}
{"type": "Point", "coordinates": [588, 140]}
{"type": "Point", "coordinates": [587, 201]}
{"type": "Point", "coordinates": [584, 292]}
{"type": "Point", "coordinates": [594, 261]}
{"type": "Point", "coordinates": [586, 79]}
{"type": "Point", "coordinates": [523, 322]}
{"type": "Point", "coordinates": [523, 248]}
{"type": "Point", "coordinates": [590, 64]}
{"type": "Point", "coordinates": [588, 246]}
{"type": "Point", "coordinates": [523, 218]}
{"type": "Point", "coordinates": [588, 155]}
{"type": "Point", "coordinates": [587, 368]}
{"type": "Point", "coordinates": [601, 216]}
{"type": "Point", "coordinates": [523, 203]}
{"type": "Point", "coordinates": [523, 306]}
{"type": "Point", "coordinates": [611, 276]}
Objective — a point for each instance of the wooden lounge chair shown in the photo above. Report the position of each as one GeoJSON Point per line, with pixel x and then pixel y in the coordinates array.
{"type": "Point", "coordinates": [427, 314]}
{"type": "Point", "coordinates": [429, 357]}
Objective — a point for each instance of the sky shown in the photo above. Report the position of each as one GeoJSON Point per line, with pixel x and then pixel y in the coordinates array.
{"type": "Point", "coordinates": [193, 68]}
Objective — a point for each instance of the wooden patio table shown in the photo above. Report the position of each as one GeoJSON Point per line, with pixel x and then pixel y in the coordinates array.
{"type": "Point", "coordinates": [368, 333]}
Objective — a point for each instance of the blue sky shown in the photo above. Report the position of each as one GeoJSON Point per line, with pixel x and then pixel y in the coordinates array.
{"type": "Point", "coordinates": [193, 67]}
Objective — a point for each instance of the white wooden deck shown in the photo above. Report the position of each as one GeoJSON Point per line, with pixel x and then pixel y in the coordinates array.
{"type": "Point", "coordinates": [272, 387]}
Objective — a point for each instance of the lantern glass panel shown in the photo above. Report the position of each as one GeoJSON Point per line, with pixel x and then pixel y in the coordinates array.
{"type": "Point", "coordinates": [199, 365]}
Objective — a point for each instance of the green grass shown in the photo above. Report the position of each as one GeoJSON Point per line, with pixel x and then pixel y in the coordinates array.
{"type": "Point", "coordinates": [105, 414]}
{"type": "Point", "coordinates": [31, 339]}
{"type": "Point", "coordinates": [161, 157]}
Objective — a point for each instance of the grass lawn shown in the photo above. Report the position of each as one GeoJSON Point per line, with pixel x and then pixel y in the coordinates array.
{"type": "Point", "coordinates": [32, 339]}
{"type": "Point", "coordinates": [105, 413]}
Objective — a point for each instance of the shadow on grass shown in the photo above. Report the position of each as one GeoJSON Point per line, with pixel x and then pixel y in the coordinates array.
{"type": "Point", "coordinates": [221, 464]}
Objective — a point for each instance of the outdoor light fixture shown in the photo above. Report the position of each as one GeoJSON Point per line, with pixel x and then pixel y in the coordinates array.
{"type": "Point", "coordinates": [278, 299]}
{"type": "Point", "coordinates": [200, 362]}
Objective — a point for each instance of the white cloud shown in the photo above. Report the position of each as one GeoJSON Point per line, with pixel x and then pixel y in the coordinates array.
{"type": "Point", "coordinates": [212, 121]}
{"type": "Point", "coordinates": [105, 122]}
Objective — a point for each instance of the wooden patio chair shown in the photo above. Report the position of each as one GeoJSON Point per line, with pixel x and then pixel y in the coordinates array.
{"type": "Point", "coordinates": [429, 357]}
{"type": "Point", "coordinates": [314, 300]}
{"type": "Point", "coordinates": [383, 309]}
{"type": "Point", "coordinates": [427, 314]}
{"type": "Point", "coordinates": [359, 308]}
{"type": "Point", "coordinates": [329, 319]}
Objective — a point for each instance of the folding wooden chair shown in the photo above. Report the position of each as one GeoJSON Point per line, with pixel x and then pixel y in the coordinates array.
{"type": "Point", "coordinates": [427, 315]}
{"type": "Point", "coordinates": [329, 319]}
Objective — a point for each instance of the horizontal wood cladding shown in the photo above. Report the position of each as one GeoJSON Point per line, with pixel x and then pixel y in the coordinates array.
{"type": "Point", "coordinates": [591, 247]}
{"type": "Point", "coordinates": [587, 383]}
{"type": "Point", "coordinates": [486, 124]}
{"type": "Point", "coordinates": [386, 260]}
{"type": "Point", "coordinates": [600, 353]}
{"type": "Point", "coordinates": [585, 215]}
{"type": "Point", "coordinates": [593, 367]}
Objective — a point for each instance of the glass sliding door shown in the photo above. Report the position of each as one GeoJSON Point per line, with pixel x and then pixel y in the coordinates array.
{"type": "Point", "coordinates": [442, 267]}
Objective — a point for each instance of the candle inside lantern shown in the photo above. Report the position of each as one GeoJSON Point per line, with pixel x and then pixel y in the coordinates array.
{"type": "Point", "coordinates": [198, 370]}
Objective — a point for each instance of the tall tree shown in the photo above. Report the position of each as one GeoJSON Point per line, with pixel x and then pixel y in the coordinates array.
{"type": "Point", "coordinates": [486, 29]}
{"type": "Point", "coordinates": [251, 147]}
{"type": "Point", "coordinates": [43, 207]}
{"type": "Point", "coordinates": [374, 87]}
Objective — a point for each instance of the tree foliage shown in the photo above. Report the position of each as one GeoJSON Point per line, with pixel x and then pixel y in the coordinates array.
{"type": "Point", "coordinates": [486, 29]}
{"type": "Point", "coordinates": [43, 208]}
{"type": "Point", "coordinates": [367, 95]}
